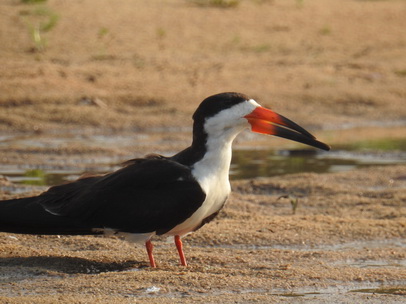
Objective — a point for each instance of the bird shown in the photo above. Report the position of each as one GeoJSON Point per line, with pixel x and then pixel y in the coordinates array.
{"type": "Point", "coordinates": [156, 195]}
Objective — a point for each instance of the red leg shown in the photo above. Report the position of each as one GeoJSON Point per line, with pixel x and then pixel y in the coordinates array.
{"type": "Point", "coordinates": [149, 247]}
{"type": "Point", "coordinates": [179, 246]}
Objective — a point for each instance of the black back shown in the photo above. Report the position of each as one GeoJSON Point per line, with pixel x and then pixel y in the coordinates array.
{"type": "Point", "coordinates": [148, 195]}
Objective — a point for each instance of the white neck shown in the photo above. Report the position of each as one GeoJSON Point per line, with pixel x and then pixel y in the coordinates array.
{"type": "Point", "coordinates": [215, 165]}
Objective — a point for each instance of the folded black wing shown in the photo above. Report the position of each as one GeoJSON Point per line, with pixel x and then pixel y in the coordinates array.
{"type": "Point", "coordinates": [149, 195]}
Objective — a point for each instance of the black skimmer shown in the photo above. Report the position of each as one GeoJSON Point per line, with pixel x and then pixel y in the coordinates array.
{"type": "Point", "coordinates": [155, 195]}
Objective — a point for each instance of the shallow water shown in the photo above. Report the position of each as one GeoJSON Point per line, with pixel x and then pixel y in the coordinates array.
{"type": "Point", "coordinates": [266, 163]}
{"type": "Point", "coordinates": [245, 164]}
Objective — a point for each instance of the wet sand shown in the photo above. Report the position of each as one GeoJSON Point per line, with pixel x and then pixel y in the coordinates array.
{"type": "Point", "coordinates": [138, 75]}
{"type": "Point", "coordinates": [345, 241]}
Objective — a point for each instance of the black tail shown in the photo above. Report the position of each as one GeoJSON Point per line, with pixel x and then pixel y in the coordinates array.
{"type": "Point", "coordinates": [26, 216]}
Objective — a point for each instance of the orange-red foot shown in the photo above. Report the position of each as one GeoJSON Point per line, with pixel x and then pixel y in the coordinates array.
{"type": "Point", "coordinates": [179, 246]}
{"type": "Point", "coordinates": [149, 247]}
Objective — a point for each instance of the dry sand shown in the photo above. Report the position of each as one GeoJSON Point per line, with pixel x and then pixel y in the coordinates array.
{"type": "Point", "coordinates": [138, 69]}
{"type": "Point", "coordinates": [339, 62]}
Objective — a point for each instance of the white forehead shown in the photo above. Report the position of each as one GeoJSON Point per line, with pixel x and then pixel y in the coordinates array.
{"type": "Point", "coordinates": [253, 102]}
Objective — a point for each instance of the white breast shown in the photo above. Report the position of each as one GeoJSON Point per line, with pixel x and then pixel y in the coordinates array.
{"type": "Point", "coordinates": [212, 175]}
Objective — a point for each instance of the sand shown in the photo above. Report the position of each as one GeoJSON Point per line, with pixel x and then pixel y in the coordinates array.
{"type": "Point", "coordinates": [136, 70]}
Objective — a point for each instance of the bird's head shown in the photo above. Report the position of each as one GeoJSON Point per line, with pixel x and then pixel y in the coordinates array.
{"type": "Point", "coordinates": [227, 114]}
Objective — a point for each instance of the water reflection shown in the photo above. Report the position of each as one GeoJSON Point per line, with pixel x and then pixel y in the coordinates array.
{"type": "Point", "coordinates": [251, 163]}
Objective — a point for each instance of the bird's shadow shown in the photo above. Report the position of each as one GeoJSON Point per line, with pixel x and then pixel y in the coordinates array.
{"type": "Point", "coordinates": [67, 265]}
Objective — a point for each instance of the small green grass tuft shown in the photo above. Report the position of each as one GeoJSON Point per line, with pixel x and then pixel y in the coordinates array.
{"type": "Point", "coordinates": [217, 3]}
{"type": "Point", "coordinates": [39, 21]}
{"type": "Point", "coordinates": [32, 1]}
{"type": "Point", "coordinates": [104, 38]}
{"type": "Point", "coordinates": [325, 30]}
{"type": "Point", "coordinates": [400, 73]}
{"type": "Point", "coordinates": [103, 31]}
{"type": "Point", "coordinates": [160, 33]}
{"type": "Point", "coordinates": [294, 202]}
{"type": "Point", "coordinates": [261, 48]}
